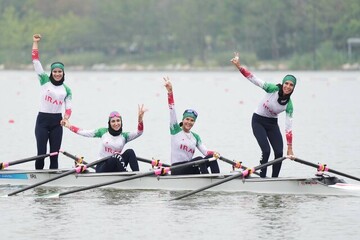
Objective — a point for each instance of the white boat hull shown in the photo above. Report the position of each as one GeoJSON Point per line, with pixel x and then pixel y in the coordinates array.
{"type": "Point", "coordinates": [309, 185]}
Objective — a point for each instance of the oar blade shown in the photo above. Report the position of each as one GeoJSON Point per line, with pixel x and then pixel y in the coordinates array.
{"type": "Point", "coordinates": [51, 195]}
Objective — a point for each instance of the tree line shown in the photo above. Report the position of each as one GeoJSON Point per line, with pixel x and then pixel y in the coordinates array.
{"type": "Point", "coordinates": [298, 34]}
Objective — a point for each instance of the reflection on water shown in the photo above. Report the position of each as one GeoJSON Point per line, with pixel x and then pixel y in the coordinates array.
{"type": "Point", "coordinates": [275, 214]}
{"type": "Point", "coordinates": [112, 196]}
{"type": "Point", "coordinates": [41, 191]}
{"type": "Point", "coordinates": [216, 215]}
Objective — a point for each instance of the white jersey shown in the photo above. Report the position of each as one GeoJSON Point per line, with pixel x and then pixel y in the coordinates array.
{"type": "Point", "coordinates": [53, 99]}
{"type": "Point", "coordinates": [183, 144]}
{"type": "Point", "coordinates": [109, 144]}
{"type": "Point", "coordinates": [269, 106]}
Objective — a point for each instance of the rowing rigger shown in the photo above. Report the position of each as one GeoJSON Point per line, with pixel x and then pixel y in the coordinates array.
{"type": "Point", "coordinates": [322, 185]}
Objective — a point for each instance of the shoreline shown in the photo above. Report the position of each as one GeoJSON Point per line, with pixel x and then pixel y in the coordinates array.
{"type": "Point", "coordinates": [178, 67]}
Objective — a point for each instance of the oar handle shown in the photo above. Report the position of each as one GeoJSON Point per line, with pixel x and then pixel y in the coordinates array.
{"type": "Point", "coordinates": [234, 164]}
{"type": "Point", "coordinates": [7, 164]}
{"type": "Point", "coordinates": [231, 162]}
{"type": "Point", "coordinates": [325, 168]}
{"type": "Point", "coordinates": [269, 163]}
{"type": "Point", "coordinates": [77, 159]}
{"type": "Point", "coordinates": [154, 163]}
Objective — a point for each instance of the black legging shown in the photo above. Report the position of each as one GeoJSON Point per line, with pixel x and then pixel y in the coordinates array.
{"type": "Point", "coordinates": [48, 129]}
{"type": "Point", "coordinates": [196, 169]}
{"type": "Point", "coordinates": [267, 130]}
{"type": "Point", "coordinates": [115, 164]}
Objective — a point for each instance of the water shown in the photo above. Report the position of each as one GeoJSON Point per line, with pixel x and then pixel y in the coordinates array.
{"type": "Point", "coordinates": [326, 119]}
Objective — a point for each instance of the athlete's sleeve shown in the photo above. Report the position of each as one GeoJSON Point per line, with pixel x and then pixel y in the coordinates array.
{"type": "Point", "coordinates": [86, 133]}
{"type": "Point", "coordinates": [251, 77]}
{"type": "Point", "coordinates": [140, 127]}
{"type": "Point", "coordinates": [201, 147]}
{"type": "Point", "coordinates": [68, 102]}
{"type": "Point", "coordinates": [288, 123]}
{"type": "Point", "coordinates": [129, 136]}
{"type": "Point", "coordinates": [174, 125]}
{"type": "Point", "coordinates": [37, 65]}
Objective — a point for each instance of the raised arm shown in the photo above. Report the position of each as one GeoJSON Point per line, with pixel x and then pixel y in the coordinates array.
{"type": "Point", "coordinates": [174, 126]}
{"type": "Point", "coordinates": [169, 89]}
{"type": "Point", "coordinates": [246, 73]}
{"type": "Point", "coordinates": [203, 149]}
{"type": "Point", "coordinates": [36, 40]}
{"type": "Point", "coordinates": [236, 61]}
{"type": "Point", "coordinates": [288, 127]}
{"type": "Point", "coordinates": [82, 132]}
{"type": "Point", "coordinates": [129, 136]}
{"type": "Point", "coordinates": [35, 54]}
{"type": "Point", "coordinates": [141, 110]}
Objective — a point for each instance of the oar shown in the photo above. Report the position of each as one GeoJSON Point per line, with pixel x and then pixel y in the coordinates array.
{"type": "Point", "coordinates": [160, 171]}
{"type": "Point", "coordinates": [238, 175]}
{"type": "Point", "coordinates": [324, 168]}
{"type": "Point", "coordinates": [236, 164]}
{"type": "Point", "coordinates": [7, 164]}
{"type": "Point", "coordinates": [154, 163]}
{"type": "Point", "coordinates": [78, 160]}
{"type": "Point", "coordinates": [77, 170]}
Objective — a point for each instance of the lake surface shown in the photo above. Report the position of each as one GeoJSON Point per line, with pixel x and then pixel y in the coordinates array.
{"type": "Point", "coordinates": [326, 120]}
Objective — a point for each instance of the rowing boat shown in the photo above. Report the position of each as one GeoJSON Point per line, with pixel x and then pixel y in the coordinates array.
{"type": "Point", "coordinates": [319, 185]}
